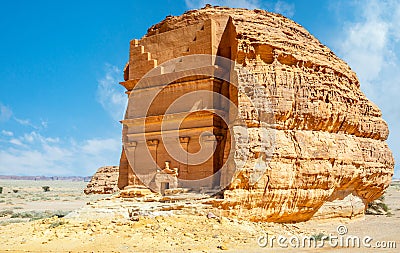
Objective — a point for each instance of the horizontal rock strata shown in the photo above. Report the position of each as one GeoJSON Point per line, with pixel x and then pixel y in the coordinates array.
{"type": "Point", "coordinates": [104, 181]}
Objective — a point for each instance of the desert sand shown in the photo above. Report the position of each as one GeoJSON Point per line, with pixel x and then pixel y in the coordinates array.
{"type": "Point", "coordinates": [100, 223]}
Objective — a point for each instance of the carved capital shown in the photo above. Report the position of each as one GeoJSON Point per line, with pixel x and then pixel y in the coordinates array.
{"type": "Point", "coordinates": [130, 146]}
{"type": "Point", "coordinates": [212, 138]}
{"type": "Point", "coordinates": [152, 142]}
{"type": "Point", "coordinates": [209, 138]}
{"type": "Point", "coordinates": [184, 139]}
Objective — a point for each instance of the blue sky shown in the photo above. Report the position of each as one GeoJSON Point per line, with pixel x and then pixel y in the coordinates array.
{"type": "Point", "coordinates": [61, 61]}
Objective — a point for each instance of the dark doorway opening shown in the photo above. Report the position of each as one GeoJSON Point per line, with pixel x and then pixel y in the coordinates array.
{"type": "Point", "coordinates": [164, 186]}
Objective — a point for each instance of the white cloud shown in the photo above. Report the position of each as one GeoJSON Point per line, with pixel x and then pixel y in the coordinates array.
{"type": "Point", "coordinates": [44, 124]}
{"type": "Point", "coordinates": [29, 137]}
{"type": "Point", "coordinates": [16, 142]}
{"type": "Point", "coordinates": [27, 122]}
{"type": "Point", "coordinates": [284, 8]}
{"type": "Point", "coordinates": [110, 94]}
{"type": "Point", "coordinates": [371, 47]}
{"type": "Point", "coordinates": [35, 154]}
{"type": "Point", "coordinates": [24, 122]}
{"type": "Point", "coordinates": [7, 133]}
{"type": "Point", "coordinates": [99, 146]}
{"type": "Point", "coordinates": [36, 137]}
{"type": "Point", "coordinates": [366, 46]}
{"type": "Point", "coordinates": [5, 112]}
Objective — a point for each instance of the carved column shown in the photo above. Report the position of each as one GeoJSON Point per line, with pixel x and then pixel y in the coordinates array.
{"type": "Point", "coordinates": [185, 144]}
{"type": "Point", "coordinates": [218, 160]}
{"type": "Point", "coordinates": [210, 142]}
{"type": "Point", "coordinates": [131, 147]}
{"type": "Point", "coordinates": [152, 146]}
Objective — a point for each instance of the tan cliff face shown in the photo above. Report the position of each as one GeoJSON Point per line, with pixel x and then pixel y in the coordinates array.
{"type": "Point", "coordinates": [329, 157]}
{"type": "Point", "coordinates": [104, 181]}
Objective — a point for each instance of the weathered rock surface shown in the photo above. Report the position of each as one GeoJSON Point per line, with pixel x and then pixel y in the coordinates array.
{"type": "Point", "coordinates": [330, 157]}
{"type": "Point", "coordinates": [104, 181]}
{"type": "Point", "coordinates": [134, 192]}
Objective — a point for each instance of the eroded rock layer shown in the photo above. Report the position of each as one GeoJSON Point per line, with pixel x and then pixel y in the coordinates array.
{"type": "Point", "coordinates": [330, 157]}
{"type": "Point", "coordinates": [104, 181]}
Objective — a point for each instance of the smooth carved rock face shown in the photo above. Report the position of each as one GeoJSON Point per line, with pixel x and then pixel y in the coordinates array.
{"type": "Point", "coordinates": [330, 157]}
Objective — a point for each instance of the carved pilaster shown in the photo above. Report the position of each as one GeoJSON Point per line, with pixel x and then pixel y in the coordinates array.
{"type": "Point", "coordinates": [131, 147]}
{"type": "Point", "coordinates": [152, 145]}
{"type": "Point", "coordinates": [184, 140]}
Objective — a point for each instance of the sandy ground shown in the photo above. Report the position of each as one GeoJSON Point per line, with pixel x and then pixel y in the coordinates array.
{"type": "Point", "coordinates": [103, 226]}
{"type": "Point", "coordinates": [24, 195]}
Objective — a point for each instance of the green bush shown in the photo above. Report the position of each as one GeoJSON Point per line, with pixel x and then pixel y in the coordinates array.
{"type": "Point", "coordinates": [29, 214]}
{"type": "Point", "coordinates": [33, 215]}
{"type": "Point", "coordinates": [46, 188]}
{"type": "Point", "coordinates": [378, 207]}
{"type": "Point", "coordinates": [318, 237]}
{"type": "Point", "coordinates": [7, 222]}
{"type": "Point", "coordinates": [56, 224]}
{"type": "Point", "coordinates": [5, 213]}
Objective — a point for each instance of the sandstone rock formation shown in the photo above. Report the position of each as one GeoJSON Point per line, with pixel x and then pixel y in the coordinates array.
{"type": "Point", "coordinates": [104, 181]}
{"type": "Point", "coordinates": [329, 157]}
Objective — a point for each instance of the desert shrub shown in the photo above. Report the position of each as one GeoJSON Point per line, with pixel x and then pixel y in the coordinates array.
{"type": "Point", "coordinates": [4, 213]}
{"type": "Point", "coordinates": [60, 213]}
{"type": "Point", "coordinates": [378, 207]}
{"type": "Point", "coordinates": [46, 188]}
{"type": "Point", "coordinates": [385, 207]}
{"type": "Point", "coordinates": [28, 214]}
{"type": "Point", "coordinates": [318, 237]}
{"type": "Point", "coordinates": [7, 222]}
{"type": "Point", "coordinates": [56, 224]}
{"type": "Point", "coordinates": [1, 190]}
{"type": "Point", "coordinates": [34, 215]}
